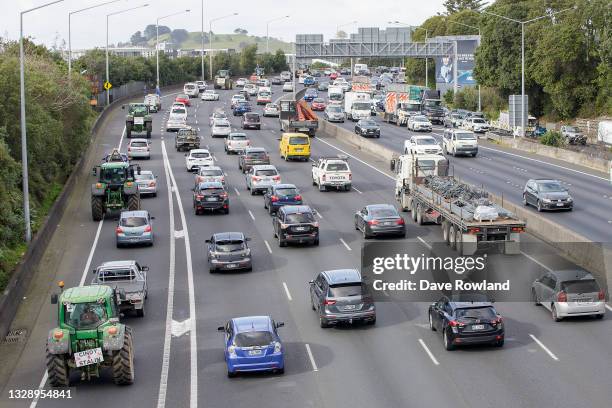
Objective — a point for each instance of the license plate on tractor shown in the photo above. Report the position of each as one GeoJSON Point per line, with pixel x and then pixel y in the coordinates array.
{"type": "Point", "coordinates": [139, 121]}
{"type": "Point", "coordinates": [88, 357]}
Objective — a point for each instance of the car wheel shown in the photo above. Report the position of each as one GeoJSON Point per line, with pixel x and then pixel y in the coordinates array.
{"type": "Point", "coordinates": [281, 241]}
{"type": "Point", "coordinates": [316, 242]}
{"type": "Point", "coordinates": [534, 297]}
{"type": "Point", "coordinates": [231, 374]}
{"type": "Point", "coordinates": [525, 199]}
{"type": "Point", "coordinates": [499, 343]}
{"type": "Point", "coordinates": [365, 233]}
{"type": "Point", "coordinates": [431, 325]}
{"type": "Point", "coordinates": [599, 316]}
{"type": "Point", "coordinates": [323, 323]}
{"type": "Point", "coordinates": [312, 303]}
{"type": "Point", "coordinates": [447, 342]}
{"type": "Point", "coordinates": [555, 316]}
{"type": "Point", "coordinates": [539, 206]}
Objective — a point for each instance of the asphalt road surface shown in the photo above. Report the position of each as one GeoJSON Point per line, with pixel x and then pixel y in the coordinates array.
{"type": "Point", "coordinates": [398, 362]}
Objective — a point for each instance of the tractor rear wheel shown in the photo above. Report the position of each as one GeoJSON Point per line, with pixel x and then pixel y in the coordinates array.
{"type": "Point", "coordinates": [128, 130]}
{"type": "Point", "coordinates": [97, 208]}
{"type": "Point", "coordinates": [133, 202]}
{"type": "Point", "coordinates": [58, 371]}
{"type": "Point", "coordinates": [123, 361]}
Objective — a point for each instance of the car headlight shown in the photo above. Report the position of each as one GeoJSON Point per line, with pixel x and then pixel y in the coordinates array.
{"type": "Point", "coordinates": [277, 347]}
{"type": "Point", "coordinates": [569, 198]}
{"type": "Point", "coordinates": [546, 200]}
{"type": "Point", "coordinates": [232, 351]}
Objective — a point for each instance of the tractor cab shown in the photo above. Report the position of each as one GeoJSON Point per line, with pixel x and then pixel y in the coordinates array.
{"type": "Point", "coordinates": [138, 109]}
{"type": "Point", "coordinates": [115, 188]}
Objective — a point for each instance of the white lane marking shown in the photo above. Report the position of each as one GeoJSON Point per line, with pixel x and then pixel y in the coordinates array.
{"type": "Point", "coordinates": [345, 245]}
{"type": "Point", "coordinates": [550, 353]}
{"type": "Point", "coordinates": [236, 190]}
{"type": "Point", "coordinates": [318, 213]}
{"type": "Point", "coordinates": [198, 129]}
{"type": "Point", "coordinates": [287, 291]}
{"type": "Point", "coordinates": [180, 328]}
{"type": "Point", "coordinates": [179, 234]}
{"type": "Point", "coordinates": [424, 242]}
{"type": "Point", "coordinates": [268, 246]}
{"type": "Point", "coordinates": [536, 261]}
{"type": "Point", "coordinates": [165, 368]}
{"type": "Point", "coordinates": [251, 215]}
{"type": "Point", "coordinates": [40, 387]}
{"type": "Point", "coordinates": [429, 353]}
{"type": "Point", "coordinates": [609, 307]}
{"type": "Point", "coordinates": [121, 138]}
{"type": "Point", "coordinates": [193, 340]}
{"type": "Point", "coordinates": [311, 357]}
{"type": "Point", "coordinates": [360, 192]}
{"type": "Point", "coordinates": [353, 157]}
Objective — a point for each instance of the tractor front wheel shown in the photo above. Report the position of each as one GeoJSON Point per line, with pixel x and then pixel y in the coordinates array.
{"type": "Point", "coordinates": [133, 203]}
{"type": "Point", "coordinates": [123, 361]}
{"type": "Point", "coordinates": [97, 208]}
{"type": "Point", "coordinates": [58, 371]}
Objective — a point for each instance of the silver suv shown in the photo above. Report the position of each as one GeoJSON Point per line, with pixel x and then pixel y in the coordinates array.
{"type": "Point", "coordinates": [569, 293]}
{"type": "Point", "coordinates": [341, 296]}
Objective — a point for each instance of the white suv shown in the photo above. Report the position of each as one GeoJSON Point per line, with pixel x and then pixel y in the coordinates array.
{"type": "Point", "coordinates": [422, 145]}
{"type": "Point", "coordinates": [221, 127]}
{"type": "Point", "coordinates": [197, 158]}
{"type": "Point", "coordinates": [191, 89]}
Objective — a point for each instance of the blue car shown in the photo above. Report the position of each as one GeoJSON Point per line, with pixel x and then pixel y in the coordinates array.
{"type": "Point", "coordinates": [309, 81]}
{"type": "Point", "coordinates": [310, 94]}
{"type": "Point", "coordinates": [252, 344]}
{"type": "Point", "coordinates": [241, 108]}
{"type": "Point", "coordinates": [279, 195]}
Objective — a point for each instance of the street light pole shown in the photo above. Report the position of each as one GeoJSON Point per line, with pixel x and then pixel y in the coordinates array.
{"type": "Point", "coordinates": [210, 39]}
{"type": "Point", "coordinates": [24, 138]}
{"type": "Point", "coordinates": [202, 38]}
{"type": "Point", "coordinates": [107, 16]}
{"type": "Point", "coordinates": [426, 38]}
{"type": "Point", "coordinates": [268, 31]}
{"type": "Point", "coordinates": [70, 30]}
{"type": "Point", "coordinates": [479, 38]}
{"type": "Point", "coordinates": [522, 23]}
{"type": "Point", "coordinates": [157, 42]}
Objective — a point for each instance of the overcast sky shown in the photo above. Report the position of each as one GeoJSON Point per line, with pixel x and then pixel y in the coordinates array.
{"type": "Point", "coordinates": [306, 17]}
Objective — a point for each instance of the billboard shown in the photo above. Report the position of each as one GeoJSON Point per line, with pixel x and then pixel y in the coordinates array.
{"type": "Point", "coordinates": [465, 66]}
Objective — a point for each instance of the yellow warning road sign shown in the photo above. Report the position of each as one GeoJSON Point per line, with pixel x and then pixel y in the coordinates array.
{"type": "Point", "coordinates": [107, 85]}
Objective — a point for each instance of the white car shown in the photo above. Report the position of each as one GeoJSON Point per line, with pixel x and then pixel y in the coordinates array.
{"type": "Point", "coordinates": [476, 125]}
{"type": "Point", "coordinates": [197, 158]}
{"type": "Point", "coordinates": [301, 79]}
{"type": "Point", "coordinates": [221, 127]}
{"type": "Point", "coordinates": [288, 87]}
{"type": "Point", "coordinates": [177, 119]}
{"type": "Point", "coordinates": [331, 172]}
{"type": "Point", "coordinates": [210, 174]}
{"type": "Point", "coordinates": [146, 182]}
{"type": "Point", "coordinates": [191, 89]}
{"type": "Point", "coordinates": [237, 98]}
{"type": "Point", "coordinates": [263, 83]}
{"type": "Point", "coordinates": [201, 86]}
{"type": "Point", "coordinates": [271, 109]}
{"type": "Point", "coordinates": [178, 105]}
{"type": "Point", "coordinates": [260, 177]}
{"type": "Point", "coordinates": [210, 95]}
{"type": "Point", "coordinates": [459, 141]}
{"type": "Point", "coordinates": [236, 143]}
{"type": "Point", "coordinates": [251, 89]}
{"type": "Point", "coordinates": [215, 116]}
{"type": "Point", "coordinates": [241, 82]}
{"type": "Point", "coordinates": [138, 149]}
{"type": "Point", "coordinates": [418, 123]}
{"type": "Point", "coordinates": [422, 145]}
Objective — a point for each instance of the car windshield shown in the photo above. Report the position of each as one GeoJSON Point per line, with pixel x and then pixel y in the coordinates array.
{"type": "Point", "coordinates": [426, 141]}
{"type": "Point", "coordinates": [299, 218]}
{"type": "Point", "coordinates": [222, 124]}
{"type": "Point", "coordinates": [210, 172]}
{"type": "Point", "coordinates": [179, 111]}
{"type": "Point", "coordinates": [211, 190]}
{"type": "Point", "coordinates": [219, 116]}
{"type": "Point", "coordinates": [362, 106]}
{"type": "Point", "coordinates": [138, 144]}
{"type": "Point", "coordinates": [243, 104]}
{"type": "Point", "coordinates": [229, 245]}
{"type": "Point", "coordinates": [110, 275]}
{"type": "Point", "coordinates": [383, 212]}
{"type": "Point", "coordinates": [337, 167]}
{"type": "Point", "coordinates": [433, 103]}
{"type": "Point", "coordinates": [138, 109]}
{"type": "Point", "coordinates": [286, 191]}
{"type": "Point", "coordinates": [368, 123]}
{"type": "Point", "coordinates": [334, 109]}
{"type": "Point", "coordinates": [238, 137]}
{"type": "Point", "coordinates": [478, 120]}
{"type": "Point", "coordinates": [551, 187]}
{"type": "Point", "coordinates": [208, 92]}
{"type": "Point", "coordinates": [298, 140]}
{"type": "Point", "coordinates": [465, 136]}
{"type": "Point", "coordinates": [252, 117]}
{"type": "Point", "coordinates": [271, 106]}
{"type": "Point", "coordinates": [476, 313]}
{"type": "Point", "coordinates": [144, 176]}
{"type": "Point", "coordinates": [200, 155]}
{"type": "Point", "coordinates": [421, 119]}
{"type": "Point", "coordinates": [133, 222]}
{"type": "Point", "coordinates": [110, 175]}
{"type": "Point", "coordinates": [253, 338]}
{"type": "Point", "coordinates": [257, 155]}
{"type": "Point", "coordinates": [266, 172]}
{"type": "Point", "coordinates": [346, 290]}
{"type": "Point", "coordinates": [264, 94]}
{"type": "Point", "coordinates": [580, 286]}
{"type": "Point", "coordinates": [84, 315]}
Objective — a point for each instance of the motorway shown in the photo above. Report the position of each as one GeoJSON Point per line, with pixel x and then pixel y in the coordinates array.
{"type": "Point", "coordinates": [398, 362]}
{"type": "Point", "coordinates": [505, 172]}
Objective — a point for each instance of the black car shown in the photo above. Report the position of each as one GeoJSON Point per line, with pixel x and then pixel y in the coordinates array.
{"type": "Point", "coordinates": [295, 224]}
{"type": "Point", "coordinates": [367, 127]}
{"type": "Point", "coordinates": [547, 194]}
{"type": "Point", "coordinates": [211, 196]}
{"type": "Point", "coordinates": [228, 251]}
{"type": "Point", "coordinates": [379, 219]}
{"type": "Point", "coordinates": [246, 95]}
{"type": "Point", "coordinates": [466, 323]}
{"type": "Point", "coordinates": [251, 120]}
{"type": "Point", "coordinates": [340, 296]}
{"type": "Point", "coordinates": [277, 81]}
{"type": "Point", "coordinates": [279, 195]}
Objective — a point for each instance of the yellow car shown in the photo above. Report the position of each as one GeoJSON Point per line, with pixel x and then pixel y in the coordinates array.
{"type": "Point", "coordinates": [295, 146]}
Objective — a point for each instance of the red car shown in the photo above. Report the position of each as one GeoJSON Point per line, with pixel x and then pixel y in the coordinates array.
{"type": "Point", "coordinates": [318, 104]}
{"type": "Point", "coordinates": [333, 75]}
{"type": "Point", "coordinates": [183, 98]}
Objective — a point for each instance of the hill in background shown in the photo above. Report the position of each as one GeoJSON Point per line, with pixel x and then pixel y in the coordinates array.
{"type": "Point", "coordinates": [235, 41]}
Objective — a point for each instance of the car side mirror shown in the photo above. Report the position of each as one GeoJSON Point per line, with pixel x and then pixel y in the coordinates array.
{"type": "Point", "coordinates": [54, 299]}
{"type": "Point", "coordinates": [221, 328]}
{"type": "Point", "coordinates": [138, 170]}
{"type": "Point", "coordinates": [93, 271]}
{"type": "Point", "coordinates": [392, 165]}
{"type": "Point", "coordinates": [280, 324]}
{"type": "Point", "coordinates": [207, 241]}
{"type": "Point", "coordinates": [248, 239]}
{"type": "Point", "coordinates": [278, 138]}
{"type": "Point", "coordinates": [311, 282]}
{"type": "Point", "coordinates": [185, 154]}
{"type": "Point", "coordinates": [152, 218]}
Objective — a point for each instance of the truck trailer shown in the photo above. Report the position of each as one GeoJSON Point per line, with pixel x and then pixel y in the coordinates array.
{"type": "Point", "coordinates": [402, 101]}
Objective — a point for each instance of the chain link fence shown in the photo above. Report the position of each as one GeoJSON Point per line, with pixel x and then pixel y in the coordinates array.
{"type": "Point", "coordinates": [130, 89]}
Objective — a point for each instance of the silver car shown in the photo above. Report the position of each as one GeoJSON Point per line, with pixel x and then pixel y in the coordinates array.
{"type": "Point", "coordinates": [138, 149]}
{"type": "Point", "coordinates": [260, 177]}
{"type": "Point", "coordinates": [134, 228]}
{"type": "Point", "coordinates": [210, 173]}
{"type": "Point", "coordinates": [147, 182]}
{"type": "Point", "coordinates": [567, 293]}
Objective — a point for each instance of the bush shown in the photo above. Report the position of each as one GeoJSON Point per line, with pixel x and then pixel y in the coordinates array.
{"type": "Point", "coordinates": [553, 138]}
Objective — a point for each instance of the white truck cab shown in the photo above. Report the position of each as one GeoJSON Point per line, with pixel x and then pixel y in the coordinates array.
{"type": "Point", "coordinates": [459, 141]}
{"type": "Point", "coordinates": [408, 166]}
{"type": "Point", "coordinates": [332, 172]}
{"type": "Point", "coordinates": [357, 105]}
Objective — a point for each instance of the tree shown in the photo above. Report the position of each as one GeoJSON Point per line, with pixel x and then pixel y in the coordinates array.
{"type": "Point", "coordinates": [454, 6]}
{"type": "Point", "coordinates": [248, 58]}
{"type": "Point", "coordinates": [150, 31]}
{"type": "Point", "coordinates": [137, 38]}
{"type": "Point", "coordinates": [341, 34]}
{"type": "Point", "coordinates": [240, 31]}
{"type": "Point", "coordinates": [279, 61]}
{"type": "Point", "coordinates": [179, 36]}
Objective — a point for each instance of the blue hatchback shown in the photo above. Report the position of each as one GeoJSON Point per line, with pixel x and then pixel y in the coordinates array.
{"type": "Point", "coordinates": [241, 108]}
{"type": "Point", "coordinates": [252, 344]}
{"type": "Point", "coordinates": [310, 94]}
{"type": "Point", "coordinates": [279, 195]}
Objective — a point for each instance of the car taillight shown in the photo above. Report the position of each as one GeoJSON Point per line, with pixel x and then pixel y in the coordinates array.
{"type": "Point", "coordinates": [223, 195]}
{"type": "Point", "coordinates": [199, 196]}
{"type": "Point", "coordinates": [298, 198]}
{"type": "Point", "coordinates": [497, 321]}
{"type": "Point", "coordinates": [248, 143]}
{"type": "Point", "coordinates": [152, 184]}
{"type": "Point", "coordinates": [255, 178]}
{"type": "Point", "coordinates": [400, 221]}
{"type": "Point", "coordinates": [274, 199]}
{"type": "Point", "coordinates": [129, 149]}
{"type": "Point", "coordinates": [473, 230]}
{"type": "Point", "coordinates": [562, 297]}
{"type": "Point", "coordinates": [276, 178]}
{"type": "Point", "coordinates": [329, 302]}
{"type": "Point", "coordinates": [147, 228]}
{"type": "Point", "coordinates": [119, 230]}
{"type": "Point", "coordinates": [601, 295]}
{"type": "Point", "coordinates": [350, 176]}
{"type": "Point", "coordinates": [373, 222]}
{"type": "Point", "coordinates": [518, 229]}
{"type": "Point", "coordinates": [454, 323]}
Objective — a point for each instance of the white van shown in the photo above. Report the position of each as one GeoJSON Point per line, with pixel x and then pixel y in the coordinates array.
{"type": "Point", "coordinates": [191, 89]}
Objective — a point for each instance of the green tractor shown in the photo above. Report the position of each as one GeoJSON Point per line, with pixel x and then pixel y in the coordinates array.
{"type": "Point", "coordinates": [89, 337]}
{"type": "Point", "coordinates": [223, 79]}
{"type": "Point", "coordinates": [115, 188]}
{"type": "Point", "coordinates": [138, 119]}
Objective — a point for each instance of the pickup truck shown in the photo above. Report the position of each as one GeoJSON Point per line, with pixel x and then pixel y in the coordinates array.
{"type": "Point", "coordinates": [129, 279]}
{"type": "Point", "coordinates": [573, 135]}
{"type": "Point", "coordinates": [187, 139]}
{"type": "Point", "coordinates": [332, 172]}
